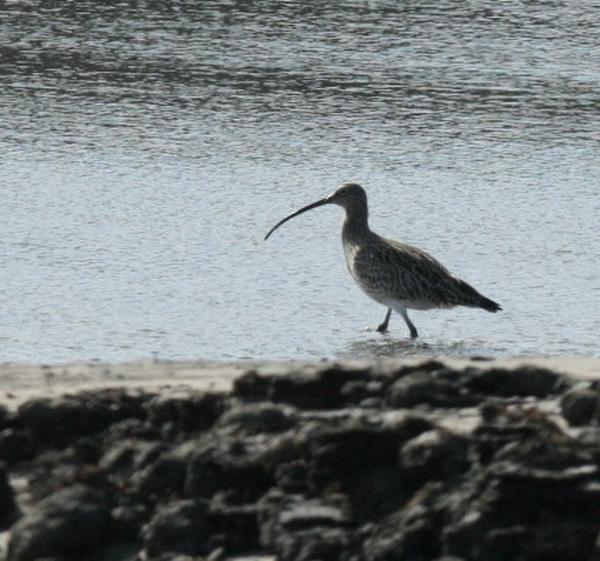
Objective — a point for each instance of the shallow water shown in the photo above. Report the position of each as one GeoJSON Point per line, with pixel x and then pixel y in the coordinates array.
{"type": "Point", "coordinates": [146, 150]}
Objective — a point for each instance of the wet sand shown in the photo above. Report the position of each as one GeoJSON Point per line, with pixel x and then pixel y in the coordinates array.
{"type": "Point", "coordinates": [20, 382]}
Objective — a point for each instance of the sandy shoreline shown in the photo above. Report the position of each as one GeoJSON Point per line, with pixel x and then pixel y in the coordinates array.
{"type": "Point", "coordinates": [20, 382]}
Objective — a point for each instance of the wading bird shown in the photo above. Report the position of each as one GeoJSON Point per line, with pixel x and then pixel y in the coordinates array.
{"type": "Point", "coordinates": [395, 274]}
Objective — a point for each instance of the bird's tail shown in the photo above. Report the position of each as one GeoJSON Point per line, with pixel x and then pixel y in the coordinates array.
{"type": "Point", "coordinates": [489, 305]}
{"type": "Point", "coordinates": [473, 298]}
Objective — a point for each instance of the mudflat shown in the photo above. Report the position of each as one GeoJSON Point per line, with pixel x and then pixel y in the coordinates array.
{"type": "Point", "coordinates": [20, 381]}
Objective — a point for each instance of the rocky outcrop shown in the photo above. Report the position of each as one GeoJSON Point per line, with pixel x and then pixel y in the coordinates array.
{"type": "Point", "coordinates": [327, 462]}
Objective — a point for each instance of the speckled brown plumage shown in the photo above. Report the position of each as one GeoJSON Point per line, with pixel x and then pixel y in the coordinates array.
{"type": "Point", "coordinates": [386, 268]}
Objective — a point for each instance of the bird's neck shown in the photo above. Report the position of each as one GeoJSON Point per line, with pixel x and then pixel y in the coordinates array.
{"type": "Point", "coordinates": [356, 227]}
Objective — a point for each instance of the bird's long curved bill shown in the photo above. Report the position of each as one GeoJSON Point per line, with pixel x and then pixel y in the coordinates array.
{"type": "Point", "coordinates": [303, 209]}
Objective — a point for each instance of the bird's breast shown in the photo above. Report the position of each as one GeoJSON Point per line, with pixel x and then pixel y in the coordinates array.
{"type": "Point", "coordinates": [362, 274]}
{"type": "Point", "coordinates": [350, 251]}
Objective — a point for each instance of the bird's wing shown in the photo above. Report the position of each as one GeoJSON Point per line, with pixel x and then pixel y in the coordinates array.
{"type": "Point", "coordinates": [405, 272]}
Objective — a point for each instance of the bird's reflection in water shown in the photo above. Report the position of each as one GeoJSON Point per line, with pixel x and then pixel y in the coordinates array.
{"type": "Point", "coordinates": [383, 347]}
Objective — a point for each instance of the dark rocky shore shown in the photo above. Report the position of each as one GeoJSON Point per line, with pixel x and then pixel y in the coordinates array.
{"type": "Point", "coordinates": [329, 462]}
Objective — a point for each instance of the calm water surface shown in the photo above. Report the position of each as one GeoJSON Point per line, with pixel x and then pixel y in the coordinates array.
{"type": "Point", "coordinates": [146, 150]}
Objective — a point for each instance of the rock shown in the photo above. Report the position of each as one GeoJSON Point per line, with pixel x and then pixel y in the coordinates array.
{"type": "Point", "coordinates": [523, 381]}
{"type": "Point", "coordinates": [444, 387]}
{"type": "Point", "coordinates": [292, 477]}
{"type": "Point", "coordinates": [130, 455]}
{"type": "Point", "coordinates": [16, 445]}
{"type": "Point", "coordinates": [127, 522]}
{"type": "Point", "coordinates": [135, 429]}
{"type": "Point", "coordinates": [436, 388]}
{"type": "Point", "coordinates": [53, 471]}
{"type": "Point", "coordinates": [540, 481]}
{"type": "Point", "coordinates": [236, 526]}
{"type": "Point", "coordinates": [424, 367]}
{"type": "Point", "coordinates": [581, 406]}
{"type": "Point", "coordinates": [323, 544]}
{"type": "Point", "coordinates": [316, 463]}
{"type": "Point", "coordinates": [7, 499]}
{"type": "Point", "coordinates": [555, 452]}
{"type": "Point", "coordinates": [363, 441]}
{"type": "Point", "coordinates": [362, 461]}
{"type": "Point", "coordinates": [314, 388]}
{"type": "Point", "coordinates": [57, 421]}
{"type": "Point", "coordinates": [163, 479]}
{"type": "Point", "coordinates": [5, 418]}
{"type": "Point", "coordinates": [359, 391]}
{"type": "Point", "coordinates": [310, 513]}
{"type": "Point", "coordinates": [530, 437]}
{"type": "Point", "coordinates": [173, 557]}
{"type": "Point", "coordinates": [502, 425]}
{"type": "Point", "coordinates": [187, 412]}
{"type": "Point", "coordinates": [244, 467]}
{"type": "Point", "coordinates": [435, 454]}
{"type": "Point", "coordinates": [257, 418]}
{"type": "Point", "coordinates": [70, 523]}
{"type": "Point", "coordinates": [296, 528]}
{"type": "Point", "coordinates": [410, 533]}
{"type": "Point", "coordinates": [251, 386]}
{"type": "Point", "coordinates": [356, 447]}
{"type": "Point", "coordinates": [86, 450]}
{"type": "Point", "coordinates": [180, 527]}
{"type": "Point", "coordinates": [518, 512]}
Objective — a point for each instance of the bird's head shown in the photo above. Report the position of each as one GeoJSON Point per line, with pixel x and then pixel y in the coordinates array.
{"type": "Point", "coordinates": [350, 196]}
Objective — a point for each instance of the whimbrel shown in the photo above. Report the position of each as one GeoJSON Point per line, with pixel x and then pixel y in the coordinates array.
{"type": "Point", "coordinates": [395, 274]}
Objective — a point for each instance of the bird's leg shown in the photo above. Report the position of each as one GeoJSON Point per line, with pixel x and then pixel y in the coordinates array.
{"type": "Point", "coordinates": [413, 330]}
{"type": "Point", "coordinates": [383, 327]}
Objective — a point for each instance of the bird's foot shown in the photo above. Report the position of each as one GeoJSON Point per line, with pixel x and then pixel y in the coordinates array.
{"type": "Point", "coordinates": [383, 328]}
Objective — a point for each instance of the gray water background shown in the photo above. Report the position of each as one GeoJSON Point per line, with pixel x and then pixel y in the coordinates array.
{"type": "Point", "coordinates": [146, 148]}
